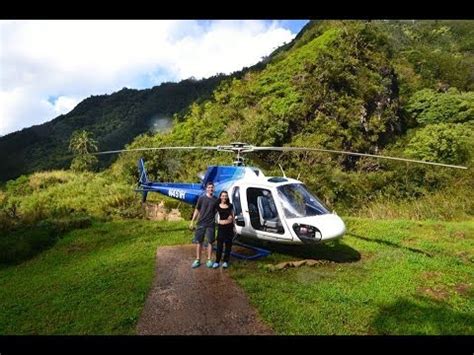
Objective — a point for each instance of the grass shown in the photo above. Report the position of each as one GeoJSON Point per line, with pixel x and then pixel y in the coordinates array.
{"type": "Point", "coordinates": [92, 281]}
{"type": "Point", "coordinates": [455, 203]}
{"type": "Point", "coordinates": [25, 241]}
{"type": "Point", "coordinates": [385, 277]}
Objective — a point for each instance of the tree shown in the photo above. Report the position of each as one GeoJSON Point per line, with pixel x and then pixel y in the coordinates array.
{"type": "Point", "coordinates": [81, 142]}
{"type": "Point", "coordinates": [428, 106]}
{"type": "Point", "coordinates": [442, 142]}
{"type": "Point", "coordinates": [83, 145]}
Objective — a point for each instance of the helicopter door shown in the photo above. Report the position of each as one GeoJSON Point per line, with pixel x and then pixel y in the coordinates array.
{"type": "Point", "coordinates": [239, 217]}
{"type": "Point", "coordinates": [263, 212]}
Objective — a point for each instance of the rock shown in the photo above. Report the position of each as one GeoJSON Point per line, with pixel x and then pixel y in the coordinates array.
{"type": "Point", "coordinates": [157, 212]}
{"type": "Point", "coordinates": [299, 263]}
{"type": "Point", "coordinates": [288, 264]}
{"type": "Point", "coordinates": [174, 215]}
{"type": "Point", "coordinates": [281, 266]}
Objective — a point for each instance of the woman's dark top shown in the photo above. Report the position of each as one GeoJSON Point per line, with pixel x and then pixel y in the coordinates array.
{"type": "Point", "coordinates": [224, 213]}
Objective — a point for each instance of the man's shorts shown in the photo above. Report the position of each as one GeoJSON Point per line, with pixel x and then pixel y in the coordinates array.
{"type": "Point", "coordinates": [204, 231]}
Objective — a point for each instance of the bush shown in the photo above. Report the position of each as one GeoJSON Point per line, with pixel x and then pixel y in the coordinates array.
{"type": "Point", "coordinates": [84, 162]}
{"type": "Point", "coordinates": [125, 205]}
{"type": "Point", "coordinates": [19, 186]}
{"type": "Point", "coordinates": [43, 180]}
{"type": "Point", "coordinates": [428, 106]}
{"type": "Point", "coordinates": [442, 143]}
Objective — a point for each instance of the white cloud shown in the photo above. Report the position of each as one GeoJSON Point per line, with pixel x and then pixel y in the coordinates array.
{"type": "Point", "coordinates": [64, 104]}
{"type": "Point", "coordinates": [20, 108]}
{"type": "Point", "coordinates": [71, 60]}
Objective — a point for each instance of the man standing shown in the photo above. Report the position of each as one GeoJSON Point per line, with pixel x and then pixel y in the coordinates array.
{"type": "Point", "coordinates": [206, 210]}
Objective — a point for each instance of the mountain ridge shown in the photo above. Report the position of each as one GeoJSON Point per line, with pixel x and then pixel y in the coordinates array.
{"type": "Point", "coordinates": [116, 119]}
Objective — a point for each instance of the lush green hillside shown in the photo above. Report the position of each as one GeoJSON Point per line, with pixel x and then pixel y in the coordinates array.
{"type": "Point", "coordinates": [381, 87]}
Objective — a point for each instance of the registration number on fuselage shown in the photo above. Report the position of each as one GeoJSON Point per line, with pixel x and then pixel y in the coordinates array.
{"type": "Point", "coordinates": [176, 193]}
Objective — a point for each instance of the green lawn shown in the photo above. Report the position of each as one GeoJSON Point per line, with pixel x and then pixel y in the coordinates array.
{"type": "Point", "coordinates": [384, 277]}
{"type": "Point", "coordinates": [92, 281]}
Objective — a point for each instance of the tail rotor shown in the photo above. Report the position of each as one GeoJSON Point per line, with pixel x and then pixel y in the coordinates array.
{"type": "Point", "coordinates": [143, 178]}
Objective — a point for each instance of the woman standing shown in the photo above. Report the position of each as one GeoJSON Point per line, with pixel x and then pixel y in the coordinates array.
{"type": "Point", "coordinates": [225, 229]}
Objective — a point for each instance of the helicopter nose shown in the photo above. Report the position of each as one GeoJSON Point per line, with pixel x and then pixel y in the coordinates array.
{"type": "Point", "coordinates": [332, 227]}
{"type": "Point", "coordinates": [326, 227]}
{"type": "Point", "coordinates": [338, 228]}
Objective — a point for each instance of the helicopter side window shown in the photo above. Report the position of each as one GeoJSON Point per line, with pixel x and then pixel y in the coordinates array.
{"type": "Point", "coordinates": [236, 201]}
{"type": "Point", "coordinates": [239, 218]}
{"type": "Point", "coordinates": [262, 211]}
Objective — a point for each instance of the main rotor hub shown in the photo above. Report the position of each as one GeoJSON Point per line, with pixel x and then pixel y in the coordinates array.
{"type": "Point", "coordinates": [238, 148]}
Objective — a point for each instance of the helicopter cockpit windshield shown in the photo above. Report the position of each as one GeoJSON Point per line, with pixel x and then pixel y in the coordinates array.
{"type": "Point", "coordinates": [298, 202]}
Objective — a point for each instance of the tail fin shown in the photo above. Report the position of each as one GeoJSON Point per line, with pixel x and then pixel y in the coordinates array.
{"type": "Point", "coordinates": [143, 178]}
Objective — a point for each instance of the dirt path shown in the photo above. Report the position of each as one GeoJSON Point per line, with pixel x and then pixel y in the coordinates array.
{"type": "Point", "coordinates": [185, 301]}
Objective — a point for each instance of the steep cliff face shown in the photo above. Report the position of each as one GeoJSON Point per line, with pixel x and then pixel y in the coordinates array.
{"type": "Point", "coordinates": [336, 89]}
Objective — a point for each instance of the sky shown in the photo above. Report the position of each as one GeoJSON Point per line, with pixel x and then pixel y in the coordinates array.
{"type": "Point", "coordinates": [48, 66]}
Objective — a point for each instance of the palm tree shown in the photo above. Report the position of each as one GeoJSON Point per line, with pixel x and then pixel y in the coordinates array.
{"type": "Point", "coordinates": [83, 144]}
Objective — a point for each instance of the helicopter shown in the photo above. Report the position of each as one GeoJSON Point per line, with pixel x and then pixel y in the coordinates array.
{"type": "Point", "coordinates": [270, 208]}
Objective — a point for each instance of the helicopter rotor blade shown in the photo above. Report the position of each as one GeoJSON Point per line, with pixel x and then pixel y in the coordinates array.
{"type": "Point", "coordinates": [288, 149]}
{"type": "Point", "coordinates": [155, 148]}
{"type": "Point", "coordinates": [241, 148]}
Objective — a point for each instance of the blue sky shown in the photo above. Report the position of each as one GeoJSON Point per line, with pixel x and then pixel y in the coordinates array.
{"type": "Point", "coordinates": [294, 25]}
{"type": "Point", "coordinates": [48, 67]}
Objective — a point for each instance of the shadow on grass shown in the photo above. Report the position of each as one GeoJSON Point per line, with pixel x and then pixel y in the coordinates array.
{"type": "Point", "coordinates": [26, 241]}
{"type": "Point", "coordinates": [390, 244]}
{"type": "Point", "coordinates": [332, 251]}
{"type": "Point", "coordinates": [422, 315]}
{"type": "Point", "coordinates": [176, 229]}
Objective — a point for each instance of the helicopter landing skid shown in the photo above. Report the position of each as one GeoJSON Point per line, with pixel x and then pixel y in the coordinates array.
{"type": "Point", "coordinates": [259, 252]}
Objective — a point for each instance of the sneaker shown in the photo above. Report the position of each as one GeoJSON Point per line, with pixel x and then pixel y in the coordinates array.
{"type": "Point", "coordinates": [225, 265]}
{"type": "Point", "coordinates": [209, 263]}
{"type": "Point", "coordinates": [215, 265]}
{"type": "Point", "coordinates": [196, 263]}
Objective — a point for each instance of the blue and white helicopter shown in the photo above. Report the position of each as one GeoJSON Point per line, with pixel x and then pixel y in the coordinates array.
{"type": "Point", "coordinates": [277, 209]}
